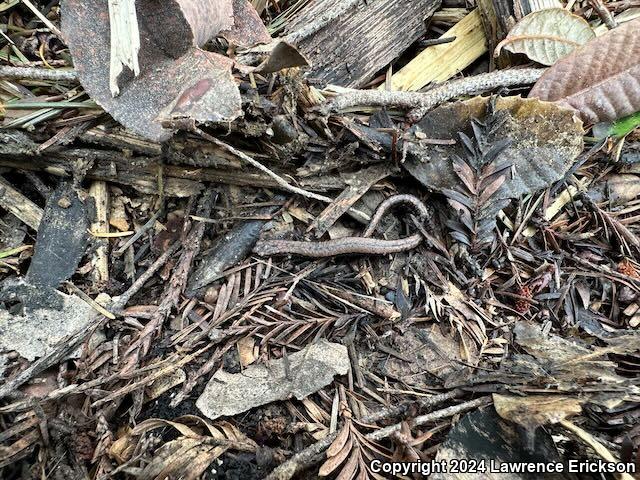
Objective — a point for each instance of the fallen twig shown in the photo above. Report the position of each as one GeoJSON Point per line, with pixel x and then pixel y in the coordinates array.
{"type": "Point", "coordinates": [307, 457]}
{"type": "Point", "coordinates": [604, 13]}
{"type": "Point", "coordinates": [422, 102]}
{"type": "Point", "coordinates": [430, 417]}
{"type": "Point", "coordinates": [121, 300]}
{"type": "Point", "coordinates": [280, 181]}
{"type": "Point", "coordinates": [44, 19]}
{"type": "Point", "coordinates": [31, 73]}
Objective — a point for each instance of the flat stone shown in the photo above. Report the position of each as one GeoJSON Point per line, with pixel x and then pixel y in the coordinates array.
{"type": "Point", "coordinates": [309, 370]}
{"type": "Point", "coordinates": [39, 328]}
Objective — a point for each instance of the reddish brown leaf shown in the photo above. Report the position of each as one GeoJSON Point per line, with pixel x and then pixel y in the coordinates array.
{"type": "Point", "coordinates": [339, 442]}
{"type": "Point", "coordinates": [351, 467]}
{"type": "Point", "coordinates": [177, 79]}
{"type": "Point", "coordinates": [336, 460]}
{"type": "Point", "coordinates": [601, 79]}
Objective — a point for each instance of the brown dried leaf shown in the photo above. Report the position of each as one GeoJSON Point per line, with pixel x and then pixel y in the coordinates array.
{"type": "Point", "coordinates": [248, 29]}
{"type": "Point", "coordinates": [334, 461]}
{"type": "Point", "coordinates": [339, 442]}
{"type": "Point", "coordinates": [350, 468]}
{"type": "Point", "coordinates": [177, 79]}
{"type": "Point", "coordinates": [535, 411]}
{"type": "Point", "coordinates": [545, 141]}
{"type": "Point", "coordinates": [601, 79]}
{"type": "Point", "coordinates": [548, 35]}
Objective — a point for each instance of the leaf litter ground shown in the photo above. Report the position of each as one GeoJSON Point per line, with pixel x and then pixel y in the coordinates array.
{"type": "Point", "coordinates": [491, 314]}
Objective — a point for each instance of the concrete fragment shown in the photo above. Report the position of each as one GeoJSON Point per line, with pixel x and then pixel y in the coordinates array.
{"type": "Point", "coordinates": [309, 370]}
{"type": "Point", "coordinates": [34, 332]}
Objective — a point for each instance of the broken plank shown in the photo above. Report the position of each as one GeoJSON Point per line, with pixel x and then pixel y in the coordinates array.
{"type": "Point", "coordinates": [354, 46]}
{"type": "Point", "coordinates": [16, 203]}
{"type": "Point", "coordinates": [441, 62]}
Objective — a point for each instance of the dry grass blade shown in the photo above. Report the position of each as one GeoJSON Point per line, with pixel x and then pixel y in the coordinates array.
{"type": "Point", "coordinates": [547, 35]}
{"type": "Point", "coordinates": [601, 79]}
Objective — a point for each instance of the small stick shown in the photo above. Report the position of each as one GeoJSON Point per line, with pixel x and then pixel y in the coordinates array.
{"type": "Point", "coordinates": [604, 13]}
{"type": "Point", "coordinates": [121, 301]}
{"type": "Point", "coordinates": [430, 417]}
{"type": "Point", "coordinates": [436, 41]}
{"type": "Point", "coordinates": [425, 101]}
{"type": "Point", "coordinates": [32, 73]}
{"type": "Point", "coordinates": [279, 180]}
{"type": "Point", "coordinates": [141, 231]}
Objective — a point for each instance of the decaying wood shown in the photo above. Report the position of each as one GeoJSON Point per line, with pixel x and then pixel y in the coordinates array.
{"type": "Point", "coordinates": [99, 192]}
{"type": "Point", "coordinates": [281, 182]}
{"type": "Point", "coordinates": [441, 62]}
{"type": "Point", "coordinates": [477, 306]}
{"type": "Point", "coordinates": [358, 186]}
{"type": "Point", "coordinates": [449, 16]}
{"type": "Point", "coordinates": [179, 180]}
{"type": "Point", "coordinates": [125, 41]}
{"type": "Point", "coordinates": [19, 205]}
{"type": "Point", "coordinates": [351, 49]}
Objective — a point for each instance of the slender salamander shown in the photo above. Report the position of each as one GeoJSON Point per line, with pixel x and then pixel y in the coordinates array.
{"type": "Point", "coordinates": [351, 245]}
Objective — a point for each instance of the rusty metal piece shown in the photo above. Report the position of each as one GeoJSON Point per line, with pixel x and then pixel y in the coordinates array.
{"type": "Point", "coordinates": [177, 79]}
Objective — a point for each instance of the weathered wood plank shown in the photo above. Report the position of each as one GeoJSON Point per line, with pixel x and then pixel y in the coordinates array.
{"type": "Point", "coordinates": [441, 62]}
{"type": "Point", "coordinates": [353, 47]}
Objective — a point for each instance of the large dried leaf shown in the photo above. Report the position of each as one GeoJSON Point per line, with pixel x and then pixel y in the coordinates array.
{"type": "Point", "coordinates": [601, 79]}
{"type": "Point", "coordinates": [545, 140]}
{"type": "Point", "coordinates": [547, 35]}
{"type": "Point", "coordinates": [177, 79]}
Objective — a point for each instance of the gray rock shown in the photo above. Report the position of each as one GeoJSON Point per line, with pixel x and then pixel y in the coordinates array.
{"type": "Point", "coordinates": [309, 370]}
{"type": "Point", "coordinates": [33, 333]}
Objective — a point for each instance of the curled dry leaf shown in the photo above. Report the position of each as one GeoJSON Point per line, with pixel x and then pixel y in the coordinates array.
{"type": "Point", "coordinates": [547, 35]}
{"type": "Point", "coordinates": [601, 79]}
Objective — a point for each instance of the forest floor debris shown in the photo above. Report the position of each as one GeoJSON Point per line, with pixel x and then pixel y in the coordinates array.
{"type": "Point", "coordinates": [282, 239]}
